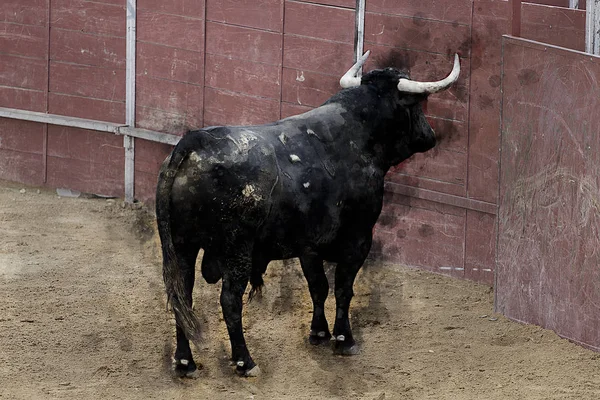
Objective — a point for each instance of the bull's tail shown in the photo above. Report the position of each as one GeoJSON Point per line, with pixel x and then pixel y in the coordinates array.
{"type": "Point", "coordinates": [172, 273]}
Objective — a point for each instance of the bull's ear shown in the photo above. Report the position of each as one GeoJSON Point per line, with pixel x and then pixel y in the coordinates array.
{"type": "Point", "coordinates": [410, 99]}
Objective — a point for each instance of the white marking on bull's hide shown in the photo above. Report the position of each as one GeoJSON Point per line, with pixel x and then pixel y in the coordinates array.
{"type": "Point", "coordinates": [184, 362]}
{"type": "Point", "coordinates": [192, 189]}
{"type": "Point", "coordinates": [181, 180]}
{"type": "Point", "coordinates": [240, 364]}
{"type": "Point", "coordinates": [340, 338]}
{"type": "Point", "coordinates": [321, 334]}
{"type": "Point", "coordinates": [250, 192]}
{"type": "Point", "coordinates": [306, 184]}
{"type": "Point", "coordinates": [294, 158]}
{"type": "Point", "coordinates": [283, 138]}
{"type": "Point", "coordinates": [300, 76]}
{"type": "Point", "coordinates": [194, 157]}
{"type": "Point", "coordinates": [311, 132]}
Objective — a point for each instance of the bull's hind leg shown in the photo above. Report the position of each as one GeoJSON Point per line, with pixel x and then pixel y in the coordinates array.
{"type": "Point", "coordinates": [184, 364]}
{"type": "Point", "coordinates": [235, 279]}
{"type": "Point", "coordinates": [312, 266]}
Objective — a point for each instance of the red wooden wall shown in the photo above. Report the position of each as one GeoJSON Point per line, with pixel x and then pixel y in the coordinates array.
{"type": "Point", "coordinates": [251, 61]}
{"type": "Point", "coordinates": [549, 255]}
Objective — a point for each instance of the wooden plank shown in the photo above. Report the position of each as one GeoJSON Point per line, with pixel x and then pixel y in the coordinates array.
{"type": "Point", "coordinates": [260, 14]}
{"type": "Point", "coordinates": [21, 136]}
{"type": "Point", "coordinates": [515, 17]}
{"type": "Point", "coordinates": [288, 110]}
{"type": "Point", "coordinates": [168, 122]}
{"type": "Point", "coordinates": [338, 3]}
{"type": "Point", "coordinates": [426, 35]}
{"type": "Point", "coordinates": [480, 246]}
{"type": "Point", "coordinates": [230, 108]}
{"type": "Point", "coordinates": [186, 8]}
{"type": "Point", "coordinates": [171, 30]}
{"type": "Point", "coordinates": [419, 233]}
{"type": "Point", "coordinates": [317, 21]}
{"type": "Point", "coordinates": [243, 43]}
{"type": "Point", "coordinates": [26, 73]}
{"type": "Point", "coordinates": [23, 40]}
{"type": "Point", "coordinates": [308, 54]}
{"type": "Point", "coordinates": [81, 48]}
{"type": "Point", "coordinates": [21, 167]}
{"type": "Point", "coordinates": [29, 12]}
{"type": "Point", "coordinates": [558, 26]}
{"type": "Point", "coordinates": [458, 11]}
{"type": "Point", "coordinates": [25, 99]}
{"type": "Point", "coordinates": [243, 76]}
{"type": "Point", "coordinates": [87, 81]}
{"type": "Point", "coordinates": [84, 145]}
{"type": "Point", "coordinates": [85, 107]}
{"type": "Point", "coordinates": [170, 63]}
{"type": "Point", "coordinates": [89, 17]}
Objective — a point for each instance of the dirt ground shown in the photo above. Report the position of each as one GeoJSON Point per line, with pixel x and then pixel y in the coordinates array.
{"type": "Point", "coordinates": [83, 316]}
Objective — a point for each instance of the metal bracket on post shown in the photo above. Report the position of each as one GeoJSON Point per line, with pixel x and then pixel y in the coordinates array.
{"type": "Point", "coordinates": [128, 141]}
{"type": "Point", "coordinates": [592, 27]}
{"type": "Point", "coordinates": [574, 4]}
{"type": "Point", "coordinates": [359, 36]}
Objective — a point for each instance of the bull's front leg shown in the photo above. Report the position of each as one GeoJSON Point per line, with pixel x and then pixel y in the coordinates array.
{"type": "Point", "coordinates": [345, 274]}
{"type": "Point", "coordinates": [235, 280]}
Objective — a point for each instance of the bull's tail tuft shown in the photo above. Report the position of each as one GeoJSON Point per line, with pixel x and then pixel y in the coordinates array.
{"type": "Point", "coordinates": [257, 283]}
{"type": "Point", "coordinates": [177, 296]}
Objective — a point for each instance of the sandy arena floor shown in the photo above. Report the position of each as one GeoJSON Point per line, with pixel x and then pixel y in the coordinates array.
{"type": "Point", "coordinates": [82, 316]}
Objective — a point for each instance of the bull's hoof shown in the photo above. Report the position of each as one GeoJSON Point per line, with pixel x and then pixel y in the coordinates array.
{"type": "Point", "coordinates": [185, 369]}
{"type": "Point", "coordinates": [250, 372]}
{"type": "Point", "coordinates": [345, 347]}
{"type": "Point", "coordinates": [317, 338]}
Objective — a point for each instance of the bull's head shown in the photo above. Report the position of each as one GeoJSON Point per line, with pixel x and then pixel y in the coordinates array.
{"type": "Point", "coordinates": [401, 122]}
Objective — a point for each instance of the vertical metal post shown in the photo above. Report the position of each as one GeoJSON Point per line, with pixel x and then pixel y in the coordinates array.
{"type": "Point", "coordinates": [128, 141]}
{"type": "Point", "coordinates": [515, 20]}
{"type": "Point", "coordinates": [359, 36]}
{"type": "Point", "coordinates": [592, 27]}
{"type": "Point", "coordinates": [574, 4]}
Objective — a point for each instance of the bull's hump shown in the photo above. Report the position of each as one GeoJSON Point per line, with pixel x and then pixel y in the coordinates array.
{"type": "Point", "coordinates": [331, 114]}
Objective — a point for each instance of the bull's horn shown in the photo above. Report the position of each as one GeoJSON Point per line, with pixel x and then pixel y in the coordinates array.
{"type": "Point", "coordinates": [350, 79]}
{"type": "Point", "coordinates": [406, 85]}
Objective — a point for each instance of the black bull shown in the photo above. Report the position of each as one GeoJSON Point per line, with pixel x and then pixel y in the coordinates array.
{"type": "Point", "coordinates": [308, 186]}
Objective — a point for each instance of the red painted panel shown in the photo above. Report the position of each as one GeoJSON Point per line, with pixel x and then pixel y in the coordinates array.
{"type": "Point", "coordinates": [86, 176]}
{"type": "Point", "coordinates": [490, 21]}
{"type": "Point", "coordinates": [31, 12]}
{"type": "Point", "coordinates": [22, 136]}
{"type": "Point", "coordinates": [480, 247]}
{"type": "Point", "coordinates": [338, 3]}
{"type": "Point", "coordinates": [87, 81]}
{"type": "Point", "coordinates": [260, 14]}
{"type": "Point", "coordinates": [25, 99]}
{"type": "Point", "coordinates": [186, 8]}
{"type": "Point", "coordinates": [168, 106]}
{"type": "Point", "coordinates": [170, 63]}
{"type": "Point", "coordinates": [243, 76]}
{"type": "Point", "coordinates": [557, 26]}
{"type": "Point", "coordinates": [23, 40]}
{"type": "Point", "coordinates": [171, 30]}
{"type": "Point", "coordinates": [82, 48]}
{"type": "Point", "coordinates": [450, 135]}
{"type": "Point", "coordinates": [421, 233]}
{"type": "Point", "coordinates": [458, 11]}
{"type": "Point", "coordinates": [417, 34]}
{"type": "Point", "coordinates": [164, 121]}
{"type": "Point", "coordinates": [83, 107]}
{"type": "Point", "coordinates": [437, 164]}
{"type": "Point", "coordinates": [308, 88]}
{"type": "Point", "coordinates": [317, 21]}
{"type": "Point", "coordinates": [288, 110]}
{"type": "Point", "coordinates": [171, 96]}
{"type": "Point", "coordinates": [549, 220]}
{"type": "Point", "coordinates": [316, 55]}
{"type": "Point", "coordinates": [87, 16]}
{"type": "Point", "coordinates": [243, 43]}
{"type": "Point", "coordinates": [84, 145]}
{"type": "Point", "coordinates": [27, 73]}
{"type": "Point", "coordinates": [230, 108]}
{"type": "Point", "coordinates": [21, 167]}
